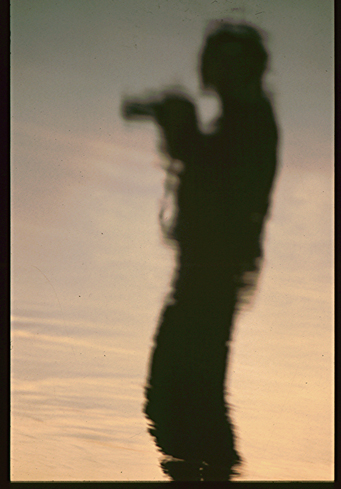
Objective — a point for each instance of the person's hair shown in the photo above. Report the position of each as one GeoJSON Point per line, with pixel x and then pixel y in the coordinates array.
{"type": "Point", "coordinates": [219, 34]}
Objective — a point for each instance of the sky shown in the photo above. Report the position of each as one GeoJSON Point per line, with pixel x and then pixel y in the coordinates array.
{"type": "Point", "coordinates": [89, 270]}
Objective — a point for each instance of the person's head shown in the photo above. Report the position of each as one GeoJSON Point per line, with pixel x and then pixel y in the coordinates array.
{"type": "Point", "coordinates": [233, 56]}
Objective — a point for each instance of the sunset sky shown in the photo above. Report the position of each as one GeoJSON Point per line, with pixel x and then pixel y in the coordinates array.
{"type": "Point", "coordinates": [89, 270]}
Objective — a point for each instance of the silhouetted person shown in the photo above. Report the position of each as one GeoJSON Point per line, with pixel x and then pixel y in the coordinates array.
{"type": "Point", "coordinates": [222, 198]}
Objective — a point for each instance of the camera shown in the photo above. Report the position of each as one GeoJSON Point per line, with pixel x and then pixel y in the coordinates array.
{"type": "Point", "coordinates": [136, 108]}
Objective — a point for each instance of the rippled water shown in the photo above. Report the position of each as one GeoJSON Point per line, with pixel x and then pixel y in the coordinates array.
{"type": "Point", "coordinates": [89, 272]}
{"type": "Point", "coordinates": [80, 352]}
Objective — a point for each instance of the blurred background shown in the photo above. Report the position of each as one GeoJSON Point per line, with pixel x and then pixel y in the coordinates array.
{"type": "Point", "coordinates": [90, 272]}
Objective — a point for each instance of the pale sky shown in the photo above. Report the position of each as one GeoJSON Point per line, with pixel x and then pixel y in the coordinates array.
{"type": "Point", "coordinates": [89, 271]}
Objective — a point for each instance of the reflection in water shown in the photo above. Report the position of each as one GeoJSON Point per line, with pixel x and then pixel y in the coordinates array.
{"type": "Point", "coordinates": [223, 183]}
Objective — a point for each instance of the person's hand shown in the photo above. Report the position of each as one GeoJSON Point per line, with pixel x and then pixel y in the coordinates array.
{"type": "Point", "coordinates": [175, 111]}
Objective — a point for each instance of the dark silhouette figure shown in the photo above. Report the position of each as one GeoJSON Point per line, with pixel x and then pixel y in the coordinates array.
{"type": "Point", "coordinates": [223, 183]}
